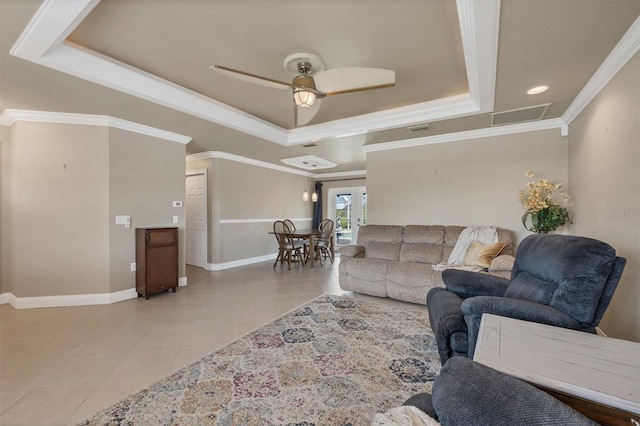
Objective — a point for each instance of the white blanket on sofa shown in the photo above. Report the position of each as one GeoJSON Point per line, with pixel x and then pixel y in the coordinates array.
{"type": "Point", "coordinates": [481, 234]}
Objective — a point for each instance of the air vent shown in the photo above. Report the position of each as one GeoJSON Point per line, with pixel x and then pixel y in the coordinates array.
{"type": "Point", "coordinates": [521, 115]}
{"type": "Point", "coordinates": [418, 127]}
{"type": "Point", "coordinates": [309, 145]}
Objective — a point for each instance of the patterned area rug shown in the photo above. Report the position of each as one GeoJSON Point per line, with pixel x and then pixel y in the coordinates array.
{"type": "Point", "coordinates": [335, 361]}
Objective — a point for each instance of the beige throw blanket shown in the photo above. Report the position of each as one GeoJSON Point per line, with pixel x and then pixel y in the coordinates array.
{"type": "Point", "coordinates": [481, 234]}
{"type": "Point", "coordinates": [405, 415]}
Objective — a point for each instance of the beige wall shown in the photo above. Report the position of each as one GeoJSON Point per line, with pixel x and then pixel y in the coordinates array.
{"type": "Point", "coordinates": [604, 164]}
{"type": "Point", "coordinates": [56, 210]}
{"type": "Point", "coordinates": [254, 196]}
{"type": "Point", "coordinates": [472, 182]}
{"type": "Point", "coordinates": [145, 176]}
{"type": "Point", "coordinates": [62, 186]}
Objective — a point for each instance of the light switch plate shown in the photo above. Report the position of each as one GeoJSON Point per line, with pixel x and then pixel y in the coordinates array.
{"type": "Point", "coordinates": [175, 219]}
{"type": "Point", "coordinates": [123, 220]}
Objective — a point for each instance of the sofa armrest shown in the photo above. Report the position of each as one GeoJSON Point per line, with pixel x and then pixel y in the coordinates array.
{"type": "Point", "coordinates": [470, 284]}
{"type": "Point", "coordinates": [352, 250]}
{"type": "Point", "coordinates": [503, 262]}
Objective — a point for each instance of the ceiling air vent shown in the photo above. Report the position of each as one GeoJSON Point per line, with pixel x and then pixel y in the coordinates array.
{"type": "Point", "coordinates": [521, 115]}
{"type": "Point", "coordinates": [418, 127]}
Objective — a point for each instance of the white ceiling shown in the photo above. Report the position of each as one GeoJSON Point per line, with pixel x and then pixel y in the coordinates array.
{"type": "Point", "coordinates": [455, 63]}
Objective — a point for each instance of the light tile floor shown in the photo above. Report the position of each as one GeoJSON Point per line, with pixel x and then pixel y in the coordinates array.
{"type": "Point", "coordinates": [59, 366]}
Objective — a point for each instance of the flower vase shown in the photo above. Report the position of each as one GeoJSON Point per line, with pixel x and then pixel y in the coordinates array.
{"type": "Point", "coordinates": [546, 219]}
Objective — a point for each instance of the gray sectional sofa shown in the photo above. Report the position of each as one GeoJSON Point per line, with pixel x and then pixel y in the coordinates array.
{"type": "Point", "coordinates": [397, 261]}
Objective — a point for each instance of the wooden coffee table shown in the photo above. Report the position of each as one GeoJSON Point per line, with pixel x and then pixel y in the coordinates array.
{"type": "Point", "coordinates": [598, 376]}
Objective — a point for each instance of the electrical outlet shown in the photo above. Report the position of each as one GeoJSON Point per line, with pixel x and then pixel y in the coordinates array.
{"type": "Point", "coordinates": [133, 266]}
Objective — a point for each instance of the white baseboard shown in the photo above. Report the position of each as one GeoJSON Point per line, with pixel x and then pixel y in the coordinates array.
{"type": "Point", "coordinates": [72, 299]}
{"type": "Point", "coordinates": [241, 262]}
{"type": "Point", "coordinates": [7, 298]}
{"type": "Point", "coordinates": [67, 300]}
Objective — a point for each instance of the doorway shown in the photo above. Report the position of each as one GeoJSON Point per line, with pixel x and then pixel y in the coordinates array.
{"type": "Point", "coordinates": [348, 209]}
{"type": "Point", "coordinates": [196, 218]}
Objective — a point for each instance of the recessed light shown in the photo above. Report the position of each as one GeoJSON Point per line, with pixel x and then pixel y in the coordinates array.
{"type": "Point", "coordinates": [537, 90]}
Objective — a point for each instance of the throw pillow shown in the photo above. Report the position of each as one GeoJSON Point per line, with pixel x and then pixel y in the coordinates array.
{"type": "Point", "coordinates": [482, 254]}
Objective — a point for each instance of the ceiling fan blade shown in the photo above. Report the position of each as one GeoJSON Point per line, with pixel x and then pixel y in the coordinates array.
{"type": "Point", "coordinates": [353, 79]}
{"type": "Point", "coordinates": [251, 78]}
{"type": "Point", "coordinates": [303, 116]}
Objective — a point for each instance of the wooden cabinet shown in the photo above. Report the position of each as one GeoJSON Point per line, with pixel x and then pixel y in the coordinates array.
{"type": "Point", "coordinates": [156, 260]}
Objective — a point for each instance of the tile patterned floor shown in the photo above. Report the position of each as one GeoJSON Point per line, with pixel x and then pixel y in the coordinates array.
{"type": "Point", "coordinates": [61, 365]}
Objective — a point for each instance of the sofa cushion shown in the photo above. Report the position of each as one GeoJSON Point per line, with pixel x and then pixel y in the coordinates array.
{"type": "Point", "coordinates": [366, 276]}
{"type": "Point", "coordinates": [386, 251]}
{"type": "Point", "coordinates": [380, 234]}
{"type": "Point", "coordinates": [531, 288]}
{"type": "Point", "coordinates": [351, 251]}
{"type": "Point", "coordinates": [428, 234]}
{"type": "Point", "coordinates": [451, 235]}
{"type": "Point", "coordinates": [421, 253]}
{"type": "Point", "coordinates": [410, 282]}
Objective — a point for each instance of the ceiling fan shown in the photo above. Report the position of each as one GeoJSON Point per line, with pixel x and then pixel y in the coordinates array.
{"type": "Point", "coordinates": [311, 82]}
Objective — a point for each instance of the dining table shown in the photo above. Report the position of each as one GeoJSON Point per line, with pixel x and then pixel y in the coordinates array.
{"type": "Point", "coordinates": [310, 234]}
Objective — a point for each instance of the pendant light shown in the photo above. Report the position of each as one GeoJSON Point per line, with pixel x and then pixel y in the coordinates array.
{"type": "Point", "coordinates": [314, 196]}
{"type": "Point", "coordinates": [305, 196]}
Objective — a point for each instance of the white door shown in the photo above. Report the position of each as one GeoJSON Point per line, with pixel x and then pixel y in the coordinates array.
{"type": "Point", "coordinates": [196, 250]}
{"type": "Point", "coordinates": [348, 209]}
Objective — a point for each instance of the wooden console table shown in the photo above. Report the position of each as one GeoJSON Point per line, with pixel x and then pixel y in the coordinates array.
{"type": "Point", "coordinates": [598, 376]}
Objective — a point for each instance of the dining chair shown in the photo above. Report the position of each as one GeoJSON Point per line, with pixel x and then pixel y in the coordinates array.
{"type": "Point", "coordinates": [288, 249]}
{"type": "Point", "coordinates": [322, 243]}
{"type": "Point", "coordinates": [304, 241]}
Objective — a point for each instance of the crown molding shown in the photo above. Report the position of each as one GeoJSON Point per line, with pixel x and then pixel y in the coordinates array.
{"type": "Point", "coordinates": [626, 49]}
{"type": "Point", "coordinates": [479, 29]}
{"type": "Point", "coordinates": [42, 42]}
{"type": "Point", "coordinates": [468, 135]}
{"type": "Point", "coordinates": [250, 161]}
{"type": "Point", "coordinates": [52, 23]}
{"type": "Point", "coordinates": [246, 160]}
{"type": "Point", "coordinates": [352, 174]}
{"type": "Point", "coordinates": [10, 116]}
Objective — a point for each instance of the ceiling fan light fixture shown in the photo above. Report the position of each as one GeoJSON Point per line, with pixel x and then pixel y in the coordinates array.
{"type": "Point", "coordinates": [304, 98]}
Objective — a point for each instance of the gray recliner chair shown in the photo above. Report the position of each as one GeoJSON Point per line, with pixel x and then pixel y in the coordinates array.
{"type": "Point", "coordinates": [560, 280]}
{"type": "Point", "coordinates": [466, 393]}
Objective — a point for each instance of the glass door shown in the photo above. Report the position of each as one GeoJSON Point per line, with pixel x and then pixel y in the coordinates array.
{"type": "Point", "coordinates": [348, 209]}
